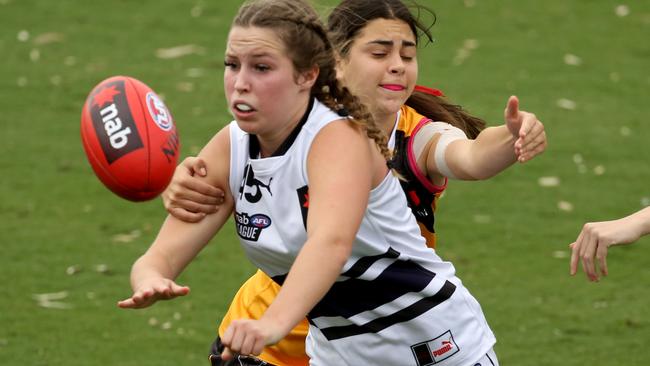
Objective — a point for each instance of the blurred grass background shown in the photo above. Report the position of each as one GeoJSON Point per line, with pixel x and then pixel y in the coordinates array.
{"type": "Point", "coordinates": [581, 66]}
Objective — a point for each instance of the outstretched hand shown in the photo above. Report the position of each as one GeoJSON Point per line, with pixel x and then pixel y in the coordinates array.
{"type": "Point", "coordinates": [527, 129]}
{"type": "Point", "coordinates": [187, 197]}
{"type": "Point", "coordinates": [148, 294]}
{"type": "Point", "coordinates": [595, 239]}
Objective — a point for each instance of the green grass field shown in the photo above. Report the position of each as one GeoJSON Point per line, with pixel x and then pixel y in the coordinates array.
{"type": "Point", "coordinates": [581, 66]}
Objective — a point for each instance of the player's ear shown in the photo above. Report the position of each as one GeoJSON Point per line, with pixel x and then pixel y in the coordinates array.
{"type": "Point", "coordinates": [308, 78]}
{"type": "Point", "coordinates": [339, 65]}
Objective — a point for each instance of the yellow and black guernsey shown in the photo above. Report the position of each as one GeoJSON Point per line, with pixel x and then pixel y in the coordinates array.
{"type": "Point", "coordinates": [421, 194]}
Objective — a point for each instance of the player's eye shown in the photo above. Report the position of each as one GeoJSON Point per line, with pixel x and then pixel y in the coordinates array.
{"type": "Point", "coordinates": [230, 65]}
{"type": "Point", "coordinates": [262, 67]}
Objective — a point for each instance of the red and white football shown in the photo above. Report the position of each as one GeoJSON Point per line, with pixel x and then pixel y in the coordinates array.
{"type": "Point", "coordinates": [129, 138]}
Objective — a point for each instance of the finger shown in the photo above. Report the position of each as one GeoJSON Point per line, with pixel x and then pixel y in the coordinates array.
{"type": "Point", "coordinates": [141, 297]}
{"type": "Point", "coordinates": [519, 143]}
{"type": "Point", "coordinates": [227, 335]}
{"type": "Point", "coordinates": [178, 290]}
{"type": "Point", "coordinates": [533, 139]}
{"type": "Point", "coordinates": [227, 354]}
{"type": "Point", "coordinates": [185, 215]}
{"type": "Point", "coordinates": [253, 344]}
{"type": "Point", "coordinates": [194, 191]}
{"type": "Point", "coordinates": [247, 344]}
{"type": "Point", "coordinates": [527, 134]}
{"type": "Point", "coordinates": [534, 149]}
{"type": "Point", "coordinates": [537, 150]}
{"type": "Point", "coordinates": [512, 109]}
{"type": "Point", "coordinates": [524, 152]}
{"type": "Point", "coordinates": [170, 290]}
{"type": "Point", "coordinates": [586, 267]}
{"type": "Point", "coordinates": [528, 123]}
{"type": "Point", "coordinates": [602, 258]}
{"type": "Point", "coordinates": [126, 304]}
{"type": "Point", "coordinates": [588, 254]}
{"type": "Point", "coordinates": [258, 347]}
{"type": "Point", "coordinates": [575, 250]}
{"type": "Point", "coordinates": [237, 338]}
{"type": "Point", "coordinates": [537, 127]}
{"type": "Point", "coordinates": [162, 291]}
{"type": "Point", "coordinates": [531, 152]}
{"type": "Point", "coordinates": [534, 136]}
{"type": "Point", "coordinates": [203, 192]}
{"type": "Point", "coordinates": [199, 166]}
{"type": "Point", "coordinates": [192, 205]}
{"type": "Point", "coordinates": [188, 162]}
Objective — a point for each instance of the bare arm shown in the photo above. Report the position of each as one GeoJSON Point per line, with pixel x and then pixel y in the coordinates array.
{"type": "Point", "coordinates": [178, 242]}
{"type": "Point", "coordinates": [596, 237]}
{"type": "Point", "coordinates": [339, 184]}
{"type": "Point", "coordinates": [521, 138]}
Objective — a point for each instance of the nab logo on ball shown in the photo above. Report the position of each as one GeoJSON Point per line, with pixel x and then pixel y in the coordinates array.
{"type": "Point", "coordinates": [159, 112]}
{"type": "Point", "coordinates": [113, 122]}
{"type": "Point", "coordinates": [129, 138]}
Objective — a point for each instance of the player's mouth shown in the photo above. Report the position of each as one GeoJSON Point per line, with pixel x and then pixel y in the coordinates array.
{"type": "Point", "coordinates": [242, 109]}
{"type": "Point", "coordinates": [393, 87]}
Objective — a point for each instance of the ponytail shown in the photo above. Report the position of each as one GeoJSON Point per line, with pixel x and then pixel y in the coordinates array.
{"type": "Point", "coordinates": [432, 104]}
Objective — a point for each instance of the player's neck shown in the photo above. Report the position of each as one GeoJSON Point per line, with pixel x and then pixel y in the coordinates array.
{"type": "Point", "coordinates": [386, 122]}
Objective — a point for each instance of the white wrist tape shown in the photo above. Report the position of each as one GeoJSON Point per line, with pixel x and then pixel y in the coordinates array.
{"type": "Point", "coordinates": [448, 134]}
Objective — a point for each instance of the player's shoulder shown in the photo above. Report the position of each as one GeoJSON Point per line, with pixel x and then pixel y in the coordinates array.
{"type": "Point", "coordinates": [319, 117]}
{"type": "Point", "coordinates": [410, 120]}
{"type": "Point", "coordinates": [220, 141]}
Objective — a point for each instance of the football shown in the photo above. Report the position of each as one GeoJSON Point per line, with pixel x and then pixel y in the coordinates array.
{"type": "Point", "coordinates": [129, 138]}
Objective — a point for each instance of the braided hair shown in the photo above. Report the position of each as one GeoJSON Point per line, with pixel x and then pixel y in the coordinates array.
{"type": "Point", "coordinates": [307, 44]}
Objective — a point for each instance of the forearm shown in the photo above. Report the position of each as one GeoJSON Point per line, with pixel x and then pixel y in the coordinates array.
{"type": "Point", "coordinates": [175, 246]}
{"type": "Point", "coordinates": [151, 265]}
{"type": "Point", "coordinates": [489, 154]}
{"type": "Point", "coordinates": [311, 276]}
{"type": "Point", "coordinates": [641, 221]}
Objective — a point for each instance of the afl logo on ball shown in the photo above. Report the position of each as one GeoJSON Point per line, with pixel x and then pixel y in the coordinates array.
{"type": "Point", "coordinates": [159, 112]}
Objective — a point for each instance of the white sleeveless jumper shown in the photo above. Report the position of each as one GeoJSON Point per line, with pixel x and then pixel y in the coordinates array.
{"type": "Point", "coordinates": [395, 302]}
